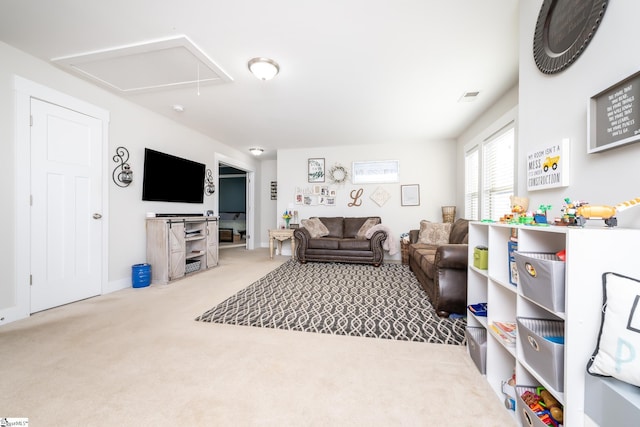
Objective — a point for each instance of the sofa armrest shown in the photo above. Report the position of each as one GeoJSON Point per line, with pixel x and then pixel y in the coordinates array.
{"type": "Point", "coordinates": [413, 236]}
{"type": "Point", "coordinates": [452, 256]}
{"type": "Point", "coordinates": [302, 237]}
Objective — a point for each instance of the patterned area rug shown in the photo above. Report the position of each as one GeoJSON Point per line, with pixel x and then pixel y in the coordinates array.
{"type": "Point", "coordinates": [343, 299]}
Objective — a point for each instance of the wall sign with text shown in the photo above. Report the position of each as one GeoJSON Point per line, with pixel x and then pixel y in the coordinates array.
{"type": "Point", "coordinates": [614, 115]}
{"type": "Point", "coordinates": [548, 167]}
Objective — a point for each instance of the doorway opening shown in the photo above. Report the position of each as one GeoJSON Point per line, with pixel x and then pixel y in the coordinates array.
{"type": "Point", "coordinates": [232, 206]}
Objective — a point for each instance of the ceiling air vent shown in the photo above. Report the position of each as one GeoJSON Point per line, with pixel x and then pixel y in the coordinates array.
{"type": "Point", "coordinates": [150, 66]}
{"type": "Point", "coordinates": [469, 96]}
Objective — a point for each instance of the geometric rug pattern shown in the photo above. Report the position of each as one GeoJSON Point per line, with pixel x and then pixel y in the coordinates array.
{"type": "Point", "coordinates": [341, 299]}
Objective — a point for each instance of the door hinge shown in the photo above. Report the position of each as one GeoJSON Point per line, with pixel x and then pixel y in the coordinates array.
{"type": "Point", "coordinates": [30, 199]}
{"type": "Point", "coordinates": [31, 120]}
{"type": "Point", "coordinates": [31, 280]}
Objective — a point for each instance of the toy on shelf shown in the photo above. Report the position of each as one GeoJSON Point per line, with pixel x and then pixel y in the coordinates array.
{"type": "Point", "coordinates": [545, 406]}
{"type": "Point", "coordinates": [577, 213]}
{"type": "Point", "coordinates": [509, 390]}
{"type": "Point", "coordinates": [540, 217]}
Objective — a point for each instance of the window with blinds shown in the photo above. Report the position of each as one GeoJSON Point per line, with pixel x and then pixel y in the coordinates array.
{"type": "Point", "coordinates": [472, 184]}
{"type": "Point", "coordinates": [489, 176]}
{"type": "Point", "coordinates": [497, 172]}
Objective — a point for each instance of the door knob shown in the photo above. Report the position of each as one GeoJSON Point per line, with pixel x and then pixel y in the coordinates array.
{"type": "Point", "coordinates": [97, 216]}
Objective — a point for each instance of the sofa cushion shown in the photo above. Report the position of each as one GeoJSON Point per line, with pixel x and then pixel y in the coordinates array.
{"type": "Point", "coordinates": [354, 245]}
{"type": "Point", "coordinates": [315, 227]}
{"type": "Point", "coordinates": [368, 224]}
{"type": "Point", "coordinates": [459, 231]}
{"type": "Point", "coordinates": [426, 260]}
{"type": "Point", "coordinates": [433, 233]}
{"type": "Point", "coordinates": [335, 225]}
{"type": "Point", "coordinates": [351, 227]}
{"type": "Point", "coordinates": [324, 243]}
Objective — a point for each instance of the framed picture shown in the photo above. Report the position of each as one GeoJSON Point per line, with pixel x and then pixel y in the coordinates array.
{"type": "Point", "coordinates": [315, 170]}
{"type": "Point", "coordinates": [548, 167]}
{"type": "Point", "coordinates": [410, 195]}
{"type": "Point", "coordinates": [299, 199]}
{"type": "Point", "coordinates": [613, 116]}
{"type": "Point", "coordinates": [378, 172]}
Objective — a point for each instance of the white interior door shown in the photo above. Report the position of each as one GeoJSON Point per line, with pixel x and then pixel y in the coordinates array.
{"type": "Point", "coordinates": [66, 190]}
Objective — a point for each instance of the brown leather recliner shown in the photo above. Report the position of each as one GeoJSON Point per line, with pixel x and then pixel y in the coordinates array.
{"type": "Point", "coordinates": [442, 270]}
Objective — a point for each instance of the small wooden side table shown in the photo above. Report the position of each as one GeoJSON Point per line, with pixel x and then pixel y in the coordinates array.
{"type": "Point", "coordinates": [281, 235]}
{"type": "Point", "coordinates": [404, 252]}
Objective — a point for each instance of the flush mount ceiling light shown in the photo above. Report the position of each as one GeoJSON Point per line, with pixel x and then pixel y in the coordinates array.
{"type": "Point", "coordinates": [264, 68]}
{"type": "Point", "coordinates": [256, 151]}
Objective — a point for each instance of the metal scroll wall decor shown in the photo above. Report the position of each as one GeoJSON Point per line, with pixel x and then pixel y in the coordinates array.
{"type": "Point", "coordinates": [122, 174]}
{"type": "Point", "coordinates": [209, 186]}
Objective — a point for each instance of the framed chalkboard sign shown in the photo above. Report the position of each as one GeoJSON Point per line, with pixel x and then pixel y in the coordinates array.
{"type": "Point", "coordinates": [614, 115]}
{"type": "Point", "coordinates": [563, 31]}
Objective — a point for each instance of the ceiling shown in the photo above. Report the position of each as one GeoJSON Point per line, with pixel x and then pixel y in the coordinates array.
{"type": "Point", "coordinates": [351, 71]}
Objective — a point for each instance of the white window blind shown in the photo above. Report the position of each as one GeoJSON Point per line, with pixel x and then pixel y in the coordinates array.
{"type": "Point", "coordinates": [498, 174]}
{"type": "Point", "coordinates": [472, 184]}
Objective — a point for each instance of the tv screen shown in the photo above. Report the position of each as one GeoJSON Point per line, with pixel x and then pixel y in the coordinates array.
{"type": "Point", "coordinates": [169, 178]}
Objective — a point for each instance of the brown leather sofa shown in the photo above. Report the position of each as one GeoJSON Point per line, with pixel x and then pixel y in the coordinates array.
{"type": "Point", "coordinates": [442, 270]}
{"type": "Point", "coordinates": [345, 242]}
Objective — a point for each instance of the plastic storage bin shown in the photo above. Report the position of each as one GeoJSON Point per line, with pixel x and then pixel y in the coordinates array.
{"type": "Point", "coordinates": [140, 275]}
{"type": "Point", "coordinates": [542, 341]}
{"type": "Point", "coordinates": [481, 257]}
{"type": "Point", "coordinates": [477, 345]}
{"type": "Point", "coordinates": [541, 278]}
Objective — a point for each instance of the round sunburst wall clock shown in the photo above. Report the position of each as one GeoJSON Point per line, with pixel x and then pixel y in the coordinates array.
{"type": "Point", "coordinates": [563, 31]}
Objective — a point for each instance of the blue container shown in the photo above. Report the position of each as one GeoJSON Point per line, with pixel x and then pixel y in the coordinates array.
{"type": "Point", "coordinates": [140, 275]}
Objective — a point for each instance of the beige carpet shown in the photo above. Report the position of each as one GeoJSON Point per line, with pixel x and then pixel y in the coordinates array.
{"type": "Point", "coordinates": [137, 358]}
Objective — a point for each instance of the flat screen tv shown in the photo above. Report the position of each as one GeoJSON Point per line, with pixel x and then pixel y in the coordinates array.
{"type": "Point", "coordinates": [169, 178]}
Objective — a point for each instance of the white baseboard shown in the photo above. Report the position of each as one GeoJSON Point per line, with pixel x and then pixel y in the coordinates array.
{"type": "Point", "coordinates": [117, 285]}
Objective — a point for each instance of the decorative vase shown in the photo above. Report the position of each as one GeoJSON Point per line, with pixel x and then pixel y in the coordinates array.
{"type": "Point", "coordinates": [286, 221]}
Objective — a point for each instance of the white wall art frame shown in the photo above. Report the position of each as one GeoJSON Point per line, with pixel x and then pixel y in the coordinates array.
{"type": "Point", "coordinates": [375, 172]}
{"type": "Point", "coordinates": [548, 167]}
{"type": "Point", "coordinates": [410, 195]}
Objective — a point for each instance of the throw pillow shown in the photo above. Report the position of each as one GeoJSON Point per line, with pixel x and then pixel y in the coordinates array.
{"type": "Point", "coordinates": [434, 233]}
{"type": "Point", "coordinates": [370, 222]}
{"type": "Point", "coordinates": [618, 347]}
{"type": "Point", "coordinates": [315, 227]}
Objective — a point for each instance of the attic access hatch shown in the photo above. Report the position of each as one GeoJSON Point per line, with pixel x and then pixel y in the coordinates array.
{"type": "Point", "coordinates": [160, 64]}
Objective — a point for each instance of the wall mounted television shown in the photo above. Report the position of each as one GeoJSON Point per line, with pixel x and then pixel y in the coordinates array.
{"type": "Point", "coordinates": [169, 178]}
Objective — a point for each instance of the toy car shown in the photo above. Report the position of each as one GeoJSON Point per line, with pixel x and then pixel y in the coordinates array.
{"type": "Point", "coordinates": [606, 213]}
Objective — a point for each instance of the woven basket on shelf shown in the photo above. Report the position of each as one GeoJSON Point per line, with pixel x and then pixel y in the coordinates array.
{"type": "Point", "coordinates": [448, 213]}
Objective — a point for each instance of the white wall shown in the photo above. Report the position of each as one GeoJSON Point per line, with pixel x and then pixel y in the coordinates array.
{"type": "Point", "coordinates": [432, 165]}
{"type": "Point", "coordinates": [496, 117]}
{"type": "Point", "coordinates": [130, 126]}
{"type": "Point", "coordinates": [268, 207]}
{"type": "Point", "coordinates": [553, 107]}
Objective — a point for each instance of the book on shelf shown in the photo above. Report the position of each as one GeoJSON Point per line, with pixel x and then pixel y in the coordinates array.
{"type": "Point", "coordinates": [506, 331]}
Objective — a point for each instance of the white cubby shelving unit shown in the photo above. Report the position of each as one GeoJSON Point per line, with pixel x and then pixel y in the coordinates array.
{"type": "Point", "coordinates": [590, 251]}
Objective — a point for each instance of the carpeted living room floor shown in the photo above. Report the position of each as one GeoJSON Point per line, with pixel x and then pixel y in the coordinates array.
{"type": "Point", "coordinates": [136, 357]}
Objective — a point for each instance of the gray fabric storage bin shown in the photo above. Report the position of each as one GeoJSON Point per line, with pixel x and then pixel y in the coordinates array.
{"type": "Point", "coordinates": [477, 344]}
{"type": "Point", "coordinates": [541, 277]}
{"type": "Point", "coordinates": [544, 356]}
{"type": "Point", "coordinates": [527, 417]}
